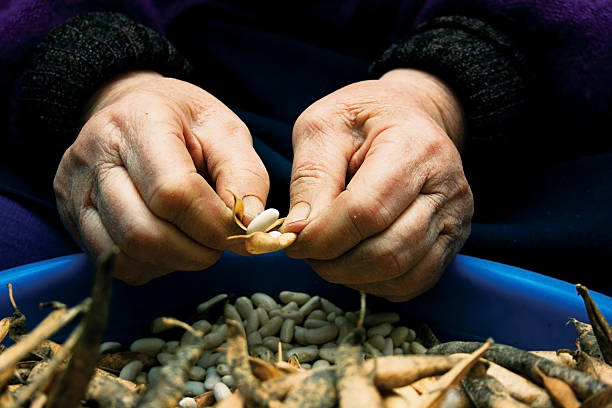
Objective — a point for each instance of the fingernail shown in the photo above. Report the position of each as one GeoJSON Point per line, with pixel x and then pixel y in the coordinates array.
{"type": "Point", "coordinates": [299, 212]}
{"type": "Point", "coordinates": [252, 207]}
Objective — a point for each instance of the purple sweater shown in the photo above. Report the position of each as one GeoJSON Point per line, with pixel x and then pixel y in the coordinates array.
{"type": "Point", "coordinates": [567, 45]}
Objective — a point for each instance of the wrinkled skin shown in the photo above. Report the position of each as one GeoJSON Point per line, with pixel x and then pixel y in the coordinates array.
{"type": "Point", "coordinates": [405, 210]}
{"type": "Point", "coordinates": [378, 193]}
{"type": "Point", "coordinates": [150, 171]}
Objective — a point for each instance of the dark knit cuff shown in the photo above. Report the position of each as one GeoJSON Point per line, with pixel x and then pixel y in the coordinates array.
{"type": "Point", "coordinates": [481, 66]}
{"type": "Point", "coordinates": [74, 60]}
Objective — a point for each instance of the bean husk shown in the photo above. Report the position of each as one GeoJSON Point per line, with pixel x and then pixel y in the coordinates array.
{"type": "Point", "coordinates": [559, 391]}
{"type": "Point", "coordinates": [586, 339]}
{"type": "Point", "coordinates": [487, 392]}
{"type": "Point", "coordinates": [315, 391]}
{"type": "Point", "coordinates": [601, 328]}
{"type": "Point", "coordinates": [523, 362]}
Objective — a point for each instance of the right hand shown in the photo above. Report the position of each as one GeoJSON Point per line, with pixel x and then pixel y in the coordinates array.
{"type": "Point", "coordinates": [150, 172]}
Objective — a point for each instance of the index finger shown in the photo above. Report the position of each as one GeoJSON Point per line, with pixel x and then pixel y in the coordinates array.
{"type": "Point", "coordinates": [164, 174]}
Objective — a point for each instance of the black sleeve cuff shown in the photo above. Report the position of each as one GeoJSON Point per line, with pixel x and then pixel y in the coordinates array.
{"type": "Point", "coordinates": [479, 64]}
{"type": "Point", "coordinates": [74, 60]}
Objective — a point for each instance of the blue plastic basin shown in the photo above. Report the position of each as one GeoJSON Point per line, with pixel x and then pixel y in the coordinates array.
{"type": "Point", "coordinates": [474, 300]}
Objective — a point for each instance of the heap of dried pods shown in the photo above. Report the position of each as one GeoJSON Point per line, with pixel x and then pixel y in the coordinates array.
{"type": "Point", "coordinates": [302, 352]}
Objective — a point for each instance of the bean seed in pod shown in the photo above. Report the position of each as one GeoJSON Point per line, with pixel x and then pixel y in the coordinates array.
{"type": "Point", "coordinates": [109, 347]}
{"type": "Point", "coordinates": [197, 373]}
{"type": "Point", "coordinates": [188, 402]}
{"type": "Point", "coordinates": [254, 339]}
{"type": "Point", "coordinates": [272, 327]}
{"type": "Point", "coordinates": [317, 314]}
{"type": "Point", "coordinates": [205, 306]}
{"type": "Point", "coordinates": [315, 323]}
{"type": "Point", "coordinates": [147, 345]}
{"type": "Point", "coordinates": [286, 331]}
{"type": "Point", "coordinates": [264, 301]}
{"type": "Point", "coordinates": [383, 329]}
{"type": "Point", "coordinates": [263, 220]}
{"type": "Point", "coordinates": [244, 306]}
{"type": "Point", "coordinates": [375, 319]}
{"type": "Point", "coordinates": [131, 370]}
{"type": "Point", "coordinates": [321, 335]}
{"type": "Point", "coordinates": [304, 354]}
{"type": "Point", "coordinates": [223, 369]}
{"type": "Point", "coordinates": [329, 307]}
{"type": "Point", "coordinates": [229, 381]}
{"type": "Point", "coordinates": [193, 388]}
{"type": "Point", "coordinates": [262, 315]}
{"type": "Point", "coordinates": [221, 391]}
{"type": "Point", "coordinates": [252, 323]}
{"type": "Point", "coordinates": [208, 359]}
{"type": "Point", "coordinates": [311, 305]}
{"type": "Point", "coordinates": [300, 298]}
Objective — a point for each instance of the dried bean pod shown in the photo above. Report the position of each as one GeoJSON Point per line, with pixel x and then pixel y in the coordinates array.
{"type": "Point", "coordinates": [587, 339]}
{"type": "Point", "coordinates": [490, 393]}
{"type": "Point", "coordinates": [297, 297]}
{"type": "Point", "coordinates": [317, 390]}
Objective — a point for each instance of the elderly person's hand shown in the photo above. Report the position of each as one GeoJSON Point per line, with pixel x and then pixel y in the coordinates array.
{"type": "Point", "coordinates": [378, 189]}
{"type": "Point", "coordinates": [150, 171]}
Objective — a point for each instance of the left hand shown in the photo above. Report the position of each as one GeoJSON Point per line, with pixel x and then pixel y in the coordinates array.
{"type": "Point", "coordinates": [407, 207]}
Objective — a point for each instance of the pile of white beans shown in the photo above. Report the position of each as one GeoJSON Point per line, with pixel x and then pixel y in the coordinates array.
{"type": "Point", "coordinates": [309, 327]}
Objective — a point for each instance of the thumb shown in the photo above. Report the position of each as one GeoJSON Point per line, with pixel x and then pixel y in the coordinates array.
{"type": "Point", "coordinates": [320, 162]}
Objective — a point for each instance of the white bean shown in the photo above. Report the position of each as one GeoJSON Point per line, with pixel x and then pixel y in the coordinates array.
{"type": "Point", "coordinates": [231, 312]}
{"type": "Point", "coordinates": [252, 322]}
{"type": "Point", "coordinates": [311, 305]}
{"type": "Point", "coordinates": [171, 346]}
{"type": "Point", "coordinates": [272, 327]}
{"type": "Point", "coordinates": [382, 329]}
{"type": "Point", "coordinates": [388, 348]}
{"type": "Point", "coordinates": [275, 234]}
{"type": "Point", "coordinates": [188, 402]}
{"type": "Point", "coordinates": [264, 301]}
{"type": "Point", "coordinates": [147, 345]}
{"type": "Point", "coordinates": [271, 343]}
{"type": "Point", "coordinates": [109, 347]}
{"type": "Point", "coordinates": [300, 298]}
{"type": "Point", "coordinates": [314, 323]}
{"type": "Point", "coordinates": [193, 388]}
{"type": "Point", "coordinates": [221, 391]}
{"type": "Point", "coordinates": [223, 369]}
{"type": "Point", "coordinates": [215, 338]}
{"type": "Point", "coordinates": [286, 331]}
{"type": "Point", "coordinates": [321, 334]}
{"type": "Point", "coordinates": [299, 333]}
{"type": "Point", "coordinates": [320, 363]}
{"type": "Point", "coordinates": [244, 306]}
{"type": "Point", "coordinates": [399, 335]}
{"type": "Point", "coordinates": [197, 373]}
{"type": "Point", "coordinates": [377, 341]}
{"type": "Point", "coordinates": [329, 307]}
{"type": "Point", "coordinates": [290, 307]}
{"type": "Point", "coordinates": [304, 354]}
{"type": "Point", "coordinates": [202, 325]}
{"type": "Point", "coordinates": [417, 348]}
{"type": "Point", "coordinates": [263, 220]}
{"type": "Point", "coordinates": [208, 359]}
{"type": "Point", "coordinates": [204, 306]}
{"type": "Point", "coordinates": [211, 380]}
{"type": "Point", "coordinates": [262, 315]}
{"type": "Point", "coordinates": [317, 315]}
{"type": "Point", "coordinates": [131, 370]}
{"type": "Point", "coordinates": [328, 353]}
{"type": "Point", "coordinates": [141, 378]}
{"type": "Point", "coordinates": [153, 373]}
{"type": "Point", "coordinates": [228, 380]}
{"type": "Point", "coordinates": [254, 339]}
{"type": "Point", "coordinates": [164, 358]}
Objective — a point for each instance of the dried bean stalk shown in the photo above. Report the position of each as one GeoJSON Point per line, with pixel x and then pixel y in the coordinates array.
{"type": "Point", "coordinates": [523, 362]}
{"type": "Point", "coordinates": [72, 386]}
{"type": "Point", "coordinates": [601, 328]}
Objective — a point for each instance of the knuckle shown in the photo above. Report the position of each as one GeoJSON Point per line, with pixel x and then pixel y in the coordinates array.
{"type": "Point", "coordinates": [390, 264]}
{"type": "Point", "coordinates": [368, 218]}
{"type": "Point", "coordinates": [137, 240]}
{"type": "Point", "coordinates": [170, 198]}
